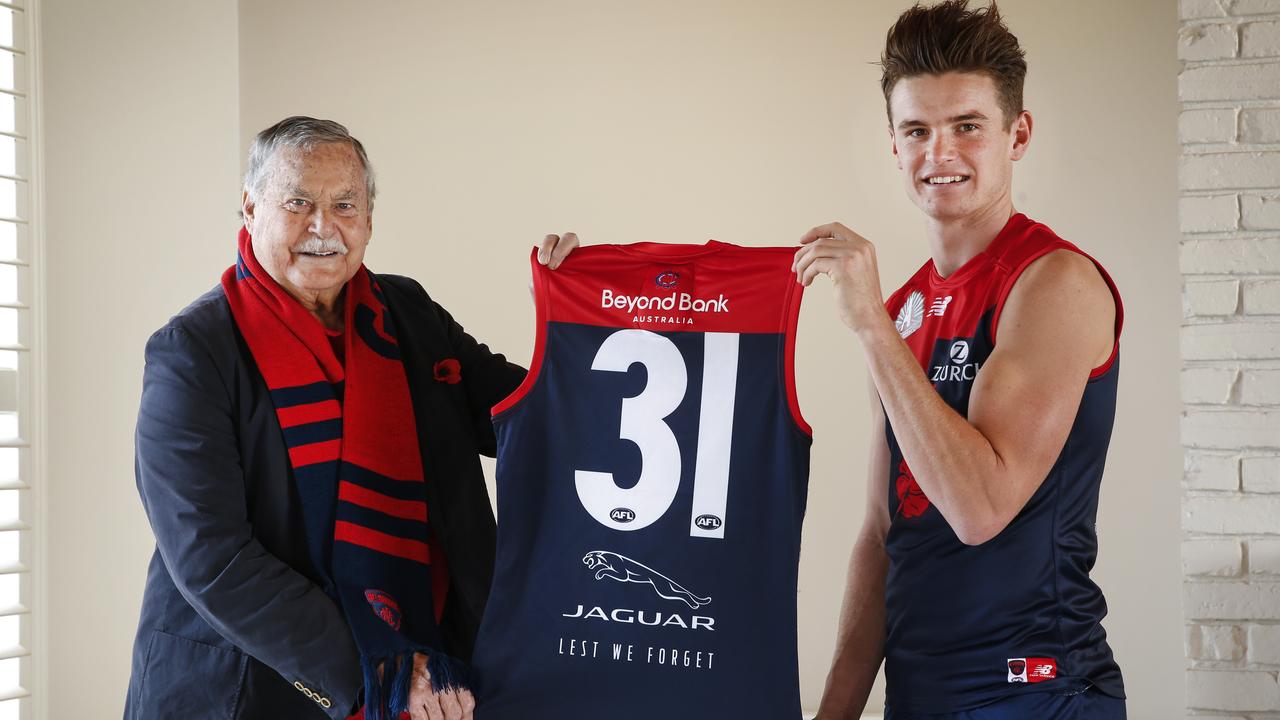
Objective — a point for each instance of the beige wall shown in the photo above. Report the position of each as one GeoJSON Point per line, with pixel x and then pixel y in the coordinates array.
{"type": "Point", "coordinates": [492, 123]}
{"type": "Point", "coordinates": [140, 126]}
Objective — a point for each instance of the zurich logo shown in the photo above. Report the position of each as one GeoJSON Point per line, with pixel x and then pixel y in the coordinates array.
{"type": "Point", "coordinates": [667, 279]}
{"type": "Point", "coordinates": [959, 352]}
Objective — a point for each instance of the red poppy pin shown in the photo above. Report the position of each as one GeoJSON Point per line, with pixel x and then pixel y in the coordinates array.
{"type": "Point", "coordinates": [911, 499]}
{"type": "Point", "coordinates": [449, 371]}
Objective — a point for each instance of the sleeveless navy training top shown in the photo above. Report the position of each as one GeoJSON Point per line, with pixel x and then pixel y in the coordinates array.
{"type": "Point", "coordinates": [652, 475]}
{"type": "Point", "coordinates": [970, 625]}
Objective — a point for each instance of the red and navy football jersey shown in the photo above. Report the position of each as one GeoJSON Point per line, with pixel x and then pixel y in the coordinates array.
{"type": "Point", "coordinates": [1019, 613]}
{"type": "Point", "coordinates": [652, 476]}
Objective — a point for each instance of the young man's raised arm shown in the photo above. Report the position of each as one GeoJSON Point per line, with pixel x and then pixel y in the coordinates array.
{"type": "Point", "coordinates": [1058, 324]}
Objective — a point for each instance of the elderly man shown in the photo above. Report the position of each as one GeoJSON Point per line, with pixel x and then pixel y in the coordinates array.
{"type": "Point", "coordinates": [307, 456]}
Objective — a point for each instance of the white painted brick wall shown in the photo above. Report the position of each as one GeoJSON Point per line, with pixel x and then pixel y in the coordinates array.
{"type": "Point", "coordinates": [1234, 513]}
{"type": "Point", "coordinates": [1260, 387]}
{"type": "Point", "coordinates": [1211, 41]}
{"type": "Point", "coordinates": [1264, 644]}
{"type": "Point", "coordinates": [1261, 212]}
{"type": "Point", "coordinates": [1212, 125]}
{"type": "Point", "coordinates": [1214, 297]}
{"type": "Point", "coordinates": [1264, 557]}
{"type": "Point", "coordinates": [1233, 690]}
{"type": "Point", "coordinates": [1229, 177]}
{"type": "Point", "coordinates": [1228, 170]}
{"type": "Point", "coordinates": [1231, 340]}
{"type": "Point", "coordinates": [1209, 385]}
{"type": "Point", "coordinates": [1211, 471]}
{"type": "Point", "coordinates": [1250, 81]}
{"type": "Point", "coordinates": [1234, 256]}
{"type": "Point", "coordinates": [1260, 475]}
{"type": "Point", "coordinates": [1209, 213]}
{"type": "Point", "coordinates": [1260, 39]}
{"type": "Point", "coordinates": [1244, 8]}
{"type": "Point", "coordinates": [1212, 557]}
{"type": "Point", "coordinates": [1257, 125]}
{"type": "Point", "coordinates": [1216, 643]}
{"type": "Point", "coordinates": [1217, 601]}
{"type": "Point", "coordinates": [1261, 297]}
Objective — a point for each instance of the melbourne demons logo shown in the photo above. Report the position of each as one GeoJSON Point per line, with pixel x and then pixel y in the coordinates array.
{"type": "Point", "coordinates": [667, 279]}
{"type": "Point", "coordinates": [384, 606]}
{"type": "Point", "coordinates": [623, 569]}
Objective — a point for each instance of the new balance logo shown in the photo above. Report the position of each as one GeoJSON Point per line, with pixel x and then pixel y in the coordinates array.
{"type": "Point", "coordinates": [939, 306]}
{"type": "Point", "coordinates": [1032, 670]}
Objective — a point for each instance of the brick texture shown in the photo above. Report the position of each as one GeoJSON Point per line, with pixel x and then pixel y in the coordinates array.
{"type": "Point", "coordinates": [1229, 212]}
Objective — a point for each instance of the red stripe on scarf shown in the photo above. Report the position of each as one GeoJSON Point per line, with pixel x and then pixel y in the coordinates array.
{"type": "Point", "coordinates": [326, 451]}
{"type": "Point", "coordinates": [415, 550]}
{"type": "Point", "coordinates": [312, 412]}
{"type": "Point", "coordinates": [366, 498]}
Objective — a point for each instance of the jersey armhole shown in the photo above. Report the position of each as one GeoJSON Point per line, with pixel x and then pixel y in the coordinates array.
{"type": "Point", "coordinates": [1009, 282]}
{"type": "Point", "coordinates": [541, 304]}
{"type": "Point", "coordinates": [795, 293]}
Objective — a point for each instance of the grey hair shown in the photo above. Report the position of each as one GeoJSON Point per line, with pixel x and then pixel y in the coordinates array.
{"type": "Point", "coordinates": [304, 133]}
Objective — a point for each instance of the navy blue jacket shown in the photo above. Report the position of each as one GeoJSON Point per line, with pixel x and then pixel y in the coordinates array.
{"type": "Point", "coordinates": [234, 624]}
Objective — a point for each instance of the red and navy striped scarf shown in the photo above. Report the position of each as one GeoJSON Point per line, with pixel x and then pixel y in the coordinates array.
{"type": "Point", "coordinates": [353, 444]}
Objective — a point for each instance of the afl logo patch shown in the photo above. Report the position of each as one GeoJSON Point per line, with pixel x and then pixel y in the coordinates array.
{"type": "Point", "coordinates": [708, 522]}
{"type": "Point", "coordinates": [667, 279]}
{"type": "Point", "coordinates": [959, 352]}
{"type": "Point", "coordinates": [622, 515]}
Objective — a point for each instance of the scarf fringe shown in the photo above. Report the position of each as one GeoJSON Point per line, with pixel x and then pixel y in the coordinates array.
{"type": "Point", "coordinates": [387, 698]}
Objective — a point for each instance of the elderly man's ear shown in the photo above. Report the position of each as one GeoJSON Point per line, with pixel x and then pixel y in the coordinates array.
{"type": "Point", "coordinates": [246, 211]}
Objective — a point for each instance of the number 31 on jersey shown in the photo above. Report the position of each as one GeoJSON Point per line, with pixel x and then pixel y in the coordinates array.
{"type": "Point", "coordinates": [644, 423]}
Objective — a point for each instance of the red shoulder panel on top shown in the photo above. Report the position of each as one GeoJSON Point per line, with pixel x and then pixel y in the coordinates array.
{"type": "Point", "coordinates": [715, 287]}
{"type": "Point", "coordinates": [540, 337]}
{"type": "Point", "coordinates": [1044, 241]}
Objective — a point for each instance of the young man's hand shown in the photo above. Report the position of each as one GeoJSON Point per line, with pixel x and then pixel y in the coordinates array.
{"type": "Point", "coordinates": [850, 261]}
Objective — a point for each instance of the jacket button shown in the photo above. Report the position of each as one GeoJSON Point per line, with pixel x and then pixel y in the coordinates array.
{"type": "Point", "coordinates": [324, 702]}
{"type": "Point", "coordinates": [299, 685]}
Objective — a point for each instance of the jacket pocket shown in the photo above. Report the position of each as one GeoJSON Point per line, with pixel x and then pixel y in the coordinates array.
{"type": "Point", "coordinates": [189, 680]}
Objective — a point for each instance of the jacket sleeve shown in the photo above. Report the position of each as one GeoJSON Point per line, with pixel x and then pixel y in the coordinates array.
{"type": "Point", "coordinates": [487, 378]}
{"type": "Point", "coordinates": [192, 487]}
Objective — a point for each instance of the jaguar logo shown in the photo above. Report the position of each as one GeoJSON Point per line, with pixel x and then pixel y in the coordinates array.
{"type": "Point", "coordinates": [623, 569]}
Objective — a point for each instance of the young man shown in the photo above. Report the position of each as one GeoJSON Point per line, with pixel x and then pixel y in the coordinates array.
{"type": "Point", "coordinates": [970, 577]}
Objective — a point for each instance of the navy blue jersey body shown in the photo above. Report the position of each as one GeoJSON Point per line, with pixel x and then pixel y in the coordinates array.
{"type": "Point", "coordinates": [969, 625]}
{"type": "Point", "coordinates": [652, 475]}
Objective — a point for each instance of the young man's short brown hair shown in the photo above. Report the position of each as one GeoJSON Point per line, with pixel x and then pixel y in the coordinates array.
{"type": "Point", "coordinates": [949, 37]}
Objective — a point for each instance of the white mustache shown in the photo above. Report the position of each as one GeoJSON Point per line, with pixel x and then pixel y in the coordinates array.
{"type": "Point", "coordinates": [320, 245]}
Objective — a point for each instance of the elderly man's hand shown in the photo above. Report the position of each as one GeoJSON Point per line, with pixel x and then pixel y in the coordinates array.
{"type": "Point", "coordinates": [426, 704]}
{"type": "Point", "coordinates": [555, 248]}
